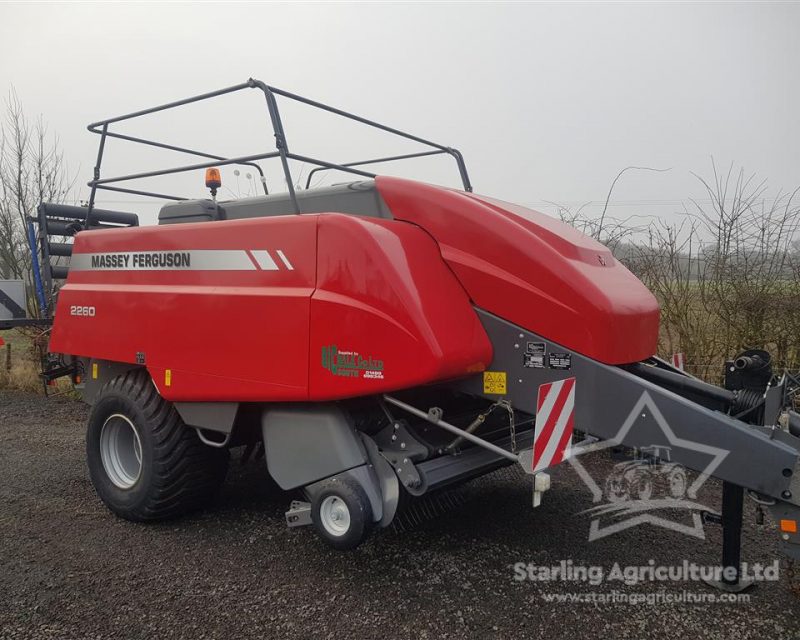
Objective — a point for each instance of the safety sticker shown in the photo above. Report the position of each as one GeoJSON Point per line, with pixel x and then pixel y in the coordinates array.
{"type": "Point", "coordinates": [560, 361]}
{"type": "Point", "coordinates": [533, 358]}
{"type": "Point", "coordinates": [494, 382]}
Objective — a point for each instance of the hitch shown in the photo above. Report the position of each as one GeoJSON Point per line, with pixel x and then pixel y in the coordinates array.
{"type": "Point", "coordinates": [49, 375]}
{"type": "Point", "coordinates": [53, 369]}
{"type": "Point", "coordinates": [299, 514]}
{"type": "Point", "coordinates": [747, 377]}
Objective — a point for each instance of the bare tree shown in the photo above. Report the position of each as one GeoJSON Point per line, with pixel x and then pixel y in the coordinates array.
{"type": "Point", "coordinates": [32, 170]}
{"type": "Point", "coordinates": [600, 224]}
{"type": "Point", "coordinates": [614, 233]}
{"type": "Point", "coordinates": [727, 276]}
{"type": "Point", "coordinates": [670, 264]}
{"type": "Point", "coordinates": [751, 286]}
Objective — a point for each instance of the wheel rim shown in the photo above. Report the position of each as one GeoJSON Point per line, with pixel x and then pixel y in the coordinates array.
{"type": "Point", "coordinates": [334, 515]}
{"type": "Point", "coordinates": [121, 451]}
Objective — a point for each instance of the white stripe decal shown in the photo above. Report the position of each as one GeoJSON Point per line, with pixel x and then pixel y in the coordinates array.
{"type": "Point", "coordinates": [264, 260]}
{"type": "Point", "coordinates": [283, 257]}
{"type": "Point", "coordinates": [180, 260]}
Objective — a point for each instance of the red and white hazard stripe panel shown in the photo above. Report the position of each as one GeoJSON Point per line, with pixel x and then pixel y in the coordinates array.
{"type": "Point", "coordinates": [555, 410]}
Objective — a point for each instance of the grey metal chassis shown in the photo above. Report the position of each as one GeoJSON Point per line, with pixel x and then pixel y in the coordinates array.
{"type": "Point", "coordinates": [616, 405]}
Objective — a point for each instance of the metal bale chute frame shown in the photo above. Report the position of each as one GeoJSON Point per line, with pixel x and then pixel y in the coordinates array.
{"type": "Point", "coordinates": [473, 381]}
{"type": "Point", "coordinates": [64, 221]}
{"type": "Point", "coordinates": [282, 147]}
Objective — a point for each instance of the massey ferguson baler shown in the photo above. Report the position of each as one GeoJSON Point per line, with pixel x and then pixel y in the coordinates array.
{"type": "Point", "coordinates": [381, 340]}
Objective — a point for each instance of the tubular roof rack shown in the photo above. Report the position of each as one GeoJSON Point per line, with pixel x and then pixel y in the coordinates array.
{"type": "Point", "coordinates": [102, 128]}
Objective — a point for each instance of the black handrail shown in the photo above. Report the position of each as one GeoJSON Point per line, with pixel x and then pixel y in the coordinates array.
{"type": "Point", "coordinates": [201, 154]}
{"type": "Point", "coordinates": [405, 156]}
{"type": "Point", "coordinates": [282, 149]}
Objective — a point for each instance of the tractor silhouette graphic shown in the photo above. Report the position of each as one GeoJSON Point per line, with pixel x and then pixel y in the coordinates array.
{"type": "Point", "coordinates": [651, 468]}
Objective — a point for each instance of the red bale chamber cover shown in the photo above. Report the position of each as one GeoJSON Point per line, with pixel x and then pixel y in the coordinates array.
{"type": "Point", "coordinates": [325, 306]}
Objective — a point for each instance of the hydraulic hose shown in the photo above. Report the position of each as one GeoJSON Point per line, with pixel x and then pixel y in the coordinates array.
{"type": "Point", "coordinates": [684, 385]}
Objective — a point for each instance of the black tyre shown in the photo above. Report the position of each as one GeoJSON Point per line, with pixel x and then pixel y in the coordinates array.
{"type": "Point", "coordinates": [341, 513]}
{"type": "Point", "coordinates": [144, 463]}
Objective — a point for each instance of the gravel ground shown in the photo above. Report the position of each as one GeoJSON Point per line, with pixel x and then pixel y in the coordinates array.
{"type": "Point", "coordinates": [69, 569]}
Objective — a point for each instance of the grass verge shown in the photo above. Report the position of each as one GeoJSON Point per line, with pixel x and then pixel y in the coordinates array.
{"type": "Point", "coordinates": [19, 363]}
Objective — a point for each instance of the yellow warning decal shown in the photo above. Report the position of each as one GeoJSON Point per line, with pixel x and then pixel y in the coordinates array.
{"type": "Point", "coordinates": [494, 382]}
{"type": "Point", "coordinates": [94, 371]}
{"type": "Point", "coordinates": [167, 377]}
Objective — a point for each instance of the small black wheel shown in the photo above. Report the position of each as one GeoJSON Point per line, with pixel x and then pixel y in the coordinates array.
{"type": "Point", "coordinates": [341, 513]}
{"type": "Point", "coordinates": [144, 462]}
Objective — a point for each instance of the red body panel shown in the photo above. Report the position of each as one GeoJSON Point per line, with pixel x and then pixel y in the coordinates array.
{"type": "Point", "coordinates": [224, 334]}
{"type": "Point", "coordinates": [256, 309]}
{"type": "Point", "coordinates": [384, 292]}
{"type": "Point", "coordinates": [326, 306]}
{"type": "Point", "coordinates": [535, 271]}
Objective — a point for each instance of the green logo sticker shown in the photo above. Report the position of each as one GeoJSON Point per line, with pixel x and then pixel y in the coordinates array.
{"type": "Point", "coordinates": [351, 364]}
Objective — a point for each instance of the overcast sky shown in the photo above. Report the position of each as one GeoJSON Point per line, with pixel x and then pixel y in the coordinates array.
{"type": "Point", "coordinates": [546, 101]}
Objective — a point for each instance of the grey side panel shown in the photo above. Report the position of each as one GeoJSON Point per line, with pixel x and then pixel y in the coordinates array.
{"type": "Point", "coordinates": [613, 404]}
{"type": "Point", "coordinates": [357, 198]}
{"type": "Point", "coordinates": [389, 486]}
{"type": "Point", "coordinates": [305, 444]}
{"type": "Point", "coordinates": [214, 416]}
{"type": "Point", "coordinates": [104, 370]}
